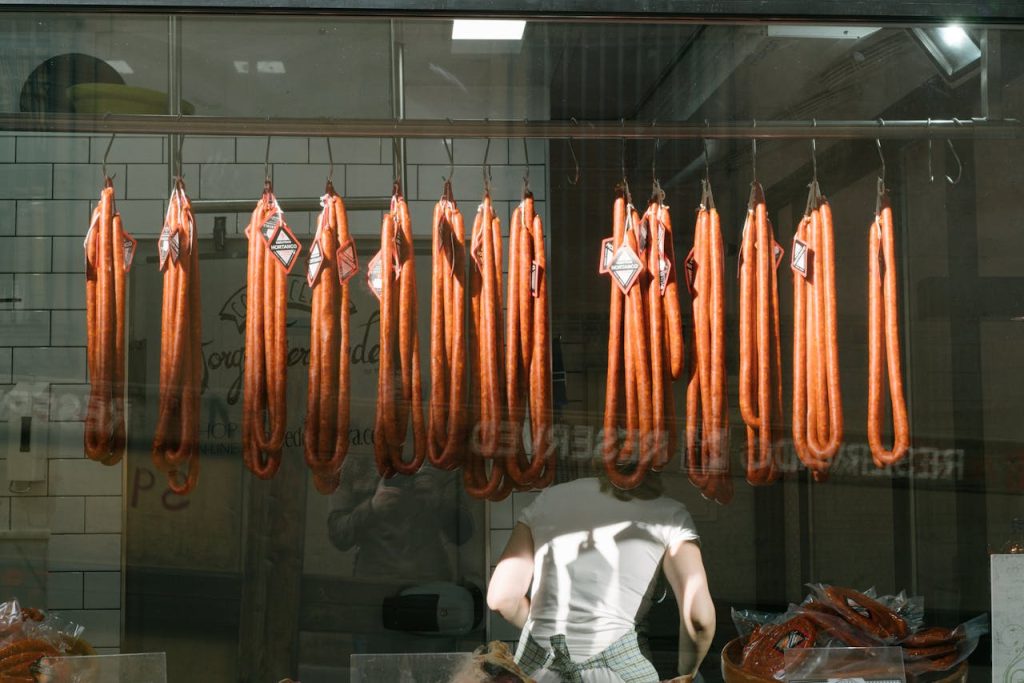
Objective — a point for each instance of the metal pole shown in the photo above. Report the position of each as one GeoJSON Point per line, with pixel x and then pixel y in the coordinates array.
{"type": "Point", "coordinates": [429, 128]}
{"type": "Point", "coordinates": [304, 204]}
{"type": "Point", "coordinates": [174, 48]}
{"type": "Point", "coordinates": [398, 100]}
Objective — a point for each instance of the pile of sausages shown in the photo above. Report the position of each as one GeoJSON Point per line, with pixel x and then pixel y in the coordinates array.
{"type": "Point", "coordinates": [176, 442]}
{"type": "Point", "coordinates": [273, 251]}
{"type": "Point", "coordinates": [645, 344]}
{"type": "Point", "coordinates": [332, 262]}
{"type": "Point", "coordinates": [108, 256]}
{"type": "Point", "coordinates": [392, 277]}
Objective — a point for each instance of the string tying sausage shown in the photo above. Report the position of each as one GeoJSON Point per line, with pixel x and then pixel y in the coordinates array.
{"type": "Point", "coordinates": [175, 448]}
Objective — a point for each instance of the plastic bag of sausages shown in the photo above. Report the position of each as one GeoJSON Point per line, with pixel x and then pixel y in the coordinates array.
{"type": "Point", "coordinates": [887, 619]}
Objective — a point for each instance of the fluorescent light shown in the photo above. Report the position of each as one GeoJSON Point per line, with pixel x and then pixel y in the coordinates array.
{"type": "Point", "coordinates": [270, 67]}
{"type": "Point", "coordinates": [120, 66]}
{"type": "Point", "coordinates": [822, 32]}
{"type": "Point", "coordinates": [488, 29]}
{"type": "Point", "coordinates": [242, 67]}
{"type": "Point", "coordinates": [953, 35]}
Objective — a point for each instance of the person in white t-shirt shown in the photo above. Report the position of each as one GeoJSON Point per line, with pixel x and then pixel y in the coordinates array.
{"type": "Point", "coordinates": [591, 554]}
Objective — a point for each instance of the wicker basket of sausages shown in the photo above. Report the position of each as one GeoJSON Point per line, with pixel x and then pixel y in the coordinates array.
{"type": "Point", "coordinates": [837, 617]}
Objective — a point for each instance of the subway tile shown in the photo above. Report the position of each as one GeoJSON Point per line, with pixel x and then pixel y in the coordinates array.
{"type": "Point", "coordinates": [5, 513]}
{"type": "Point", "coordinates": [365, 223]}
{"type": "Point", "coordinates": [102, 626]}
{"type": "Point", "coordinates": [25, 488]}
{"type": "Point", "coordinates": [498, 540]}
{"type": "Point", "coordinates": [6, 291]}
{"type": "Point", "coordinates": [206, 221]}
{"type": "Point", "coordinates": [28, 514]}
{"type": "Point", "coordinates": [84, 477]}
{"type": "Point", "coordinates": [7, 148]}
{"type": "Point", "coordinates": [502, 516]}
{"type": "Point", "coordinates": [146, 181]}
{"type": "Point", "coordinates": [68, 255]}
{"type": "Point", "coordinates": [426, 151]}
{"type": "Point", "coordinates": [51, 290]}
{"type": "Point", "coordinates": [65, 438]}
{"type": "Point", "coordinates": [128, 149]}
{"type": "Point", "coordinates": [142, 217]}
{"type": "Point", "coordinates": [8, 216]}
{"type": "Point", "coordinates": [102, 590]}
{"type": "Point", "coordinates": [207, 149]}
{"type": "Point", "coordinates": [538, 151]}
{"type": "Point", "coordinates": [68, 402]}
{"type": "Point", "coordinates": [421, 212]}
{"type": "Point", "coordinates": [103, 514]}
{"type": "Point", "coordinates": [64, 590]}
{"type": "Point", "coordinates": [48, 364]}
{"type": "Point", "coordinates": [5, 366]}
{"type": "Point", "coordinates": [89, 552]}
{"type": "Point", "coordinates": [231, 181]}
{"type": "Point", "coordinates": [52, 149]}
{"type": "Point", "coordinates": [26, 181]}
{"type": "Point", "coordinates": [85, 181]}
{"type": "Point", "coordinates": [295, 180]}
{"type": "Point", "coordinates": [347, 151]}
{"type": "Point", "coordinates": [364, 180]}
{"type": "Point", "coordinates": [25, 254]}
{"type": "Point", "coordinates": [67, 514]}
{"type": "Point", "coordinates": [67, 328]}
{"type": "Point", "coordinates": [54, 217]}
{"type": "Point", "coordinates": [282, 150]}
{"type": "Point", "coordinates": [24, 328]}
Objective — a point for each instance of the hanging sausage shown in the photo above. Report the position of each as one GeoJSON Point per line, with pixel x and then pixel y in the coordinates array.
{"type": "Point", "coordinates": [108, 256]}
{"type": "Point", "coordinates": [884, 336]}
{"type": "Point", "coordinates": [392, 277]}
{"type": "Point", "coordinates": [760, 376]}
{"type": "Point", "coordinates": [817, 402]}
{"type": "Point", "coordinates": [626, 463]}
{"type": "Point", "coordinates": [273, 252]}
{"type": "Point", "coordinates": [528, 351]}
{"type": "Point", "coordinates": [176, 442]}
{"type": "Point", "coordinates": [707, 417]}
{"type": "Point", "coordinates": [448, 412]}
{"type": "Point", "coordinates": [488, 399]}
{"type": "Point", "coordinates": [332, 263]}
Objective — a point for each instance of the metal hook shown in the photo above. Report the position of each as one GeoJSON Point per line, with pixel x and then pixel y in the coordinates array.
{"type": "Point", "coordinates": [753, 154]}
{"type": "Point", "coordinates": [487, 169]}
{"type": "Point", "coordinates": [526, 177]}
{"type": "Point", "coordinates": [576, 179]}
{"type": "Point", "coordinates": [106, 155]}
{"type": "Point", "coordinates": [814, 154]}
{"type": "Point", "coordinates": [881, 157]}
{"type": "Point", "coordinates": [330, 168]}
{"type": "Point", "coordinates": [450, 151]}
{"type": "Point", "coordinates": [622, 140]}
{"type": "Point", "coordinates": [931, 175]}
{"type": "Point", "coordinates": [959, 164]}
{"type": "Point", "coordinates": [654, 160]}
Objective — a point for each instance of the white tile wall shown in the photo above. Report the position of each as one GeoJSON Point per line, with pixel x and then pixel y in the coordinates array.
{"type": "Point", "coordinates": [52, 149]}
{"type": "Point", "coordinates": [26, 181]}
{"type": "Point", "coordinates": [67, 513]}
{"type": "Point", "coordinates": [304, 180]}
{"type": "Point", "coordinates": [64, 590]}
{"type": "Point", "coordinates": [5, 366]}
{"type": "Point", "coordinates": [68, 403]}
{"type": "Point", "coordinates": [5, 513]}
{"type": "Point", "coordinates": [68, 256]}
{"type": "Point", "coordinates": [350, 151]}
{"type": "Point", "coordinates": [102, 626]}
{"type": "Point", "coordinates": [48, 364]}
{"type": "Point", "coordinates": [102, 590]}
{"type": "Point", "coordinates": [84, 477]}
{"type": "Point", "coordinates": [84, 181]}
{"type": "Point", "coordinates": [91, 552]}
{"type": "Point", "coordinates": [129, 149]}
{"type": "Point", "coordinates": [141, 217]}
{"type": "Point", "coordinates": [232, 181]}
{"type": "Point", "coordinates": [45, 290]}
{"type": "Point", "coordinates": [103, 514]}
{"type": "Point", "coordinates": [8, 213]}
{"type": "Point", "coordinates": [366, 180]}
{"type": "Point", "coordinates": [7, 149]}
{"type": "Point", "coordinates": [24, 254]}
{"type": "Point", "coordinates": [282, 150]}
{"type": "Point", "coordinates": [24, 328]}
{"type": "Point", "coordinates": [29, 514]}
{"type": "Point", "coordinates": [54, 217]}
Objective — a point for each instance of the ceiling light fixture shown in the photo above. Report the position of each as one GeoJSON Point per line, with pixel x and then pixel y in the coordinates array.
{"type": "Point", "coordinates": [821, 32]}
{"type": "Point", "coordinates": [951, 48]}
{"type": "Point", "coordinates": [488, 29]}
{"type": "Point", "coordinates": [242, 67]}
{"type": "Point", "coordinates": [270, 67]}
{"type": "Point", "coordinates": [120, 66]}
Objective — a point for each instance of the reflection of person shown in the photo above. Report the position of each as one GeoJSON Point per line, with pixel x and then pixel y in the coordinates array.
{"type": "Point", "coordinates": [401, 528]}
{"type": "Point", "coordinates": [592, 554]}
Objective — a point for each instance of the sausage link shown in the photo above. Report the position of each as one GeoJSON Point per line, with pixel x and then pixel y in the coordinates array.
{"type": "Point", "coordinates": [614, 381]}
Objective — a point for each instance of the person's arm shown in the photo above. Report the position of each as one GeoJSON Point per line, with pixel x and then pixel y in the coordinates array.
{"type": "Point", "coordinates": [510, 582]}
{"type": "Point", "coordinates": [684, 569]}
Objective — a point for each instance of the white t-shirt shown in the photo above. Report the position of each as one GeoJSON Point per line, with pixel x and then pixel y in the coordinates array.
{"type": "Point", "coordinates": [595, 562]}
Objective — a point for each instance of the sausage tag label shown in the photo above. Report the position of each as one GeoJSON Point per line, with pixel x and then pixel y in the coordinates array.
{"type": "Point", "coordinates": [163, 246]}
{"type": "Point", "coordinates": [690, 267]}
{"type": "Point", "coordinates": [128, 245]}
{"type": "Point", "coordinates": [664, 270]}
{"type": "Point", "coordinates": [625, 268]}
{"type": "Point", "coordinates": [89, 267]}
{"type": "Point", "coordinates": [607, 254]}
{"type": "Point", "coordinates": [779, 253]}
{"type": "Point", "coordinates": [285, 248]}
{"type": "Point", "coordinates": [315, 263]}
{"type": "Point", "coordinates": [801, 262]}
{"type": "Point", "coordinates": [348, 263]}
{"type": "Point", "coordinates": [375, 276]}
{"type": "Point", "coordinates": [268, 228]}
{"type": "Point", "coordinates": [536, 273]}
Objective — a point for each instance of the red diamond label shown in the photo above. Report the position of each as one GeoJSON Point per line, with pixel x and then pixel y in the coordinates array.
{"type": "Point", "coordinates": [315, 263]}
{"type": "Point", "coordinates": [348, 264]}
{"type": "Point", "coordinates": [664, 270]}
{"type": "Point", "coordinates": [375, 276]}
{"type": "Point", "coordinates": [607, 254]}
{"type": "Point", "coordinates": [164, 246]}
{"type": "Point", "coordinates": [536, 273]}
{"type": "Point", "coordinates": [268, 228]}
{"type": "Point", "coordinates": [779, 253]}
{"type": "Point", "coordinates": [128, 245]}
{"type": "Point", "coordinates": [801, 261]}
{"type": "Point", "coordinates": [625, 268]}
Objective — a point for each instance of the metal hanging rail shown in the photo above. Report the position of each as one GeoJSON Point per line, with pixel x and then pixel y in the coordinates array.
{"type": "Point", "coordinates": [476, 128]}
